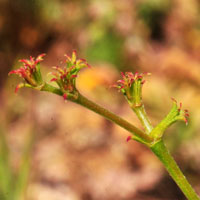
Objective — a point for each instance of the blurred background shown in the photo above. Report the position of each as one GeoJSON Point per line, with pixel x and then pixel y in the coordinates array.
{"type": "Point", "coordinates": [56, 150]}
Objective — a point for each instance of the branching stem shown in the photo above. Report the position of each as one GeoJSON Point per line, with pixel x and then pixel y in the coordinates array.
{"type": "Point", "coordinates": [158, 147]}
{"type": "Point", "coordinates": [142, 116]}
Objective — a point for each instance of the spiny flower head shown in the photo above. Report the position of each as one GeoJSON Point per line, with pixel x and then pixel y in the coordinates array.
{"type": "Point", "coordinates": [29, 71]}
{"type": "Point", "coordinates": [131, 86]}
{"type": "Point", "coordinates": [66, 77]}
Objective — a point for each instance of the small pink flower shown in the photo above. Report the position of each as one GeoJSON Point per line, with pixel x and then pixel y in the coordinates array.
{"type": "Point", "coordinates": [28, 71]}
{"type": "Point", "coordinates": [128, 78]}
{"type": "Point", "coordinates": [32, 62]}
{"type": "Point", "coordinates": [66, 77]}
{"type": "Point", "coordinates": [131, 87]}
{"type": "Point", "coordinates": [78, 63]}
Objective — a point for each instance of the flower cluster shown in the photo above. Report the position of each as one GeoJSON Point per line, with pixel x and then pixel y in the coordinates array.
{"type": "Point", "coordinates": [175, 114]}
{"type": "Point", "coordinates": [66, 77]}
{"type": "Point", "coordinates": [30, 72]}
{"type": "Point", "coordinates": [180, 113]}
{"type": "Point", "coordinates": [131, 87]}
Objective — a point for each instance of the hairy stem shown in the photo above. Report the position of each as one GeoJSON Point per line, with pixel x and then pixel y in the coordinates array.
{"type": "Point", "coordinates": [160, 150]}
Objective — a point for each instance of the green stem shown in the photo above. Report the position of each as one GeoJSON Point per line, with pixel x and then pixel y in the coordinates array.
{"type": "Point", "coordinates": [112, 117]}
{"type": "Point", "coordinates": [49, 88]}
{"type": "Point", "coordinates": [160, 150]}
{"type": "Point", "coordinates": [81, 100]}
{"type": "Point", "coordinates": [142, 116]}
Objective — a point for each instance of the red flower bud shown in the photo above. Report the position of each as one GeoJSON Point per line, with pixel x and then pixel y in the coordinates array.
{"type": "Point", "coordinates": [128, 138]}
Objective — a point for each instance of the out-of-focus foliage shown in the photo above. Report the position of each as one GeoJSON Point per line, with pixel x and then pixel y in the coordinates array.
{"type": "Point", "coordinates": [13, 180]}
{"type": "Point", "coordinates": [77, 154]}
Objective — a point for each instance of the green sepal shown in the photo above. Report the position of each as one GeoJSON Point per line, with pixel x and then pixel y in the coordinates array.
{"type": "Point", "coordinates": [37, 75]}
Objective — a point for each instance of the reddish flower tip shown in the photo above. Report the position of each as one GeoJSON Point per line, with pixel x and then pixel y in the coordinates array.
{"type": "Point", "coordinates": [143, 82]}
{"type": "Point", "coordinates": [26, 62]}
{"type": "Point", "coordinates": [186, 121]}
{"type": "Point", "coordinates": [113, 86]}
{"type": "Point", "coordinates": [187, 115]}
{"type": "Point", "coordinates": [82, 60]}
{"type": "Point", "coordinates": [53, 79]}
{"type": "Point", "coordinates": [65, 96]}
{"type": "Point", "coordinates": [12, 72]}
{"type": "Point", "coordinates": [41, 55]}
{"type": "Point", "coordinates": [128, 138]}
{"type": "Point", "coordinates": [123, 75]}
{"type": "Point", "coordinates": [40, 58]}
{"type": "Point", "coordinates": [20, 85]}
{"type": "Point", "coordinates": [174, 100]}
{"type": "Point", "coordinates": [17, 89]}
{"type": "Point", "coordinates": [89, 66]}
{"type": "Point", "coordinates": [21, 72]}
{"type": "Point", "coordinates": [68, 57]}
